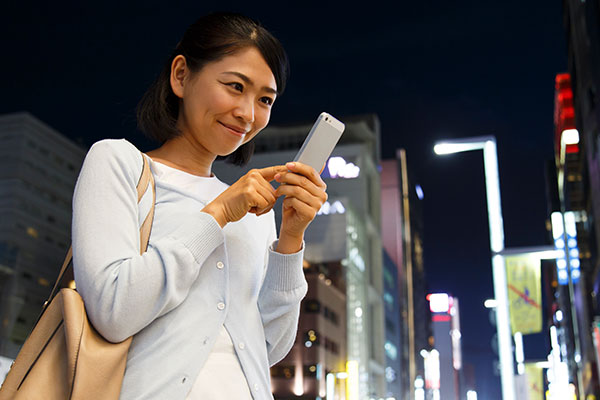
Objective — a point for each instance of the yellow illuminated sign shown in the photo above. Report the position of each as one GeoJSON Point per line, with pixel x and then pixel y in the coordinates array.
{"type": "Point", "coordinates": [352, 380]}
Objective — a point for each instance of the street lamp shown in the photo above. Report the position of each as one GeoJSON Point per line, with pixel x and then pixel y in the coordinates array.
{"type": "Point", "coordinates": [492, 186]}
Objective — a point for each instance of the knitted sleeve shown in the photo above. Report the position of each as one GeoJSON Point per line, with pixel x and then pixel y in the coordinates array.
{"type": "Point", "coordinates": [124, 291]}
{"type": "Point", "coordinates": [283, 289]}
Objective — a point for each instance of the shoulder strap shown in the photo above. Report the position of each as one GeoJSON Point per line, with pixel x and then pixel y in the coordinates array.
{"type": "Point", "coordinates": [146, 179]}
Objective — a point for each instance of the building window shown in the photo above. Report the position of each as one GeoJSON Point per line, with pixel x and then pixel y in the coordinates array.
{"type": "Point", "coordinates": [331, 315]}
{"type": "Point", "coordinates": [331, 346]}
{"type": "Point", "coordinates": [282, 371]}
{"type": "Point", "coordinates": [310, 371]}
{"type": "Point", "coordinates": [32, 232]}
{"type": "Point", "coordinates": [8, 254]}
{"type": "Point", "coordinates": [312, 306]}
{"type": "Point", "coordinates": [389, 300]}
{"type": "Point", "coordinates": [390, 326]}
{"type": "Point", "coordinates": [390, 350]}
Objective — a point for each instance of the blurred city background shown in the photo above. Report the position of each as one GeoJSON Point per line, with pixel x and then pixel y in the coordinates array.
{"type": "Point", "coordinates": [457, 255]}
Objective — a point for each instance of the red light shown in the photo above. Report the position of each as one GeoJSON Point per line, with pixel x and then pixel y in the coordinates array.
{"type": "Point", "coordinates": [564, 112]}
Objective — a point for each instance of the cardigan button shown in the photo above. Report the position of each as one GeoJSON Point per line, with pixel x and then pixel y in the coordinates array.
{"type": "Point", "coordinates": [242, 346]}
{"type": "Point", "coordinates": [221, 306]}
{"type": "Point", "coordinates": [220, 265]}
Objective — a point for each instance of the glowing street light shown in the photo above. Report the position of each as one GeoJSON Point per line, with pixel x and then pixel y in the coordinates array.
{"type": "Point", "coordinates": [496, 225]}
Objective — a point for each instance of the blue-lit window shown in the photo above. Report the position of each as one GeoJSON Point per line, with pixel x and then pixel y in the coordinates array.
{"type": "Point", "coordinates": [391, 351]}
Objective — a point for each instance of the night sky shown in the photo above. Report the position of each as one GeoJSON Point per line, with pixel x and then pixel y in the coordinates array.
{"type": "Point", "coordinates": [430, 70]}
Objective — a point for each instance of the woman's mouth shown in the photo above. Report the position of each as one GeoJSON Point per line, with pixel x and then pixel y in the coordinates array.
{"type": "Point", "coordinates": [236, 130]}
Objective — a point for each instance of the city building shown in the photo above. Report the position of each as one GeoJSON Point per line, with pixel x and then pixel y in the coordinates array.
{"type": "Point", "coordinates": [444, 363]}
{"type": "Point", "coordinates": [574, 206]}
{"type": "Point", "coordinates": [316, 365]}
{"type": "Point", "coordinates": [395, 364]}
{"type": "Point", "coordinates": [402, 238]}
{"type": "Point", "coordinates": [346, 237]}
{"type": "Point", "coordinates": [38, 171]}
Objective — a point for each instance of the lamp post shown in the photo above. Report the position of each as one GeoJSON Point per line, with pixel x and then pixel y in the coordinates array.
{"type": "Point", "coordinates": [569, 137]}
{"type": "Point", "coordinates": [492, 185]}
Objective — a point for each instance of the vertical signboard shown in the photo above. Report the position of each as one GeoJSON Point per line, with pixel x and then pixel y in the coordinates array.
{"type": "Point", "coordinates": [523, 277]}
{"type": "Point", "coordinates": [535, 381]}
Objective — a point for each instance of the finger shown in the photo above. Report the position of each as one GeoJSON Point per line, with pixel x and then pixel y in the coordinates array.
{"type": "Point", "coordinates": [302, 209]}
{"type": "Point", "coordinates": [255, 179]}
{"type": "Point", "coordinates": [293, 179]}
{"type": "Point", "coordinates": [291, 191]}
{"type": "Point", "coordinates": [269, 173]}
{"type": "Point", "coordinates": [261, 196]}
{"type": "Point", "coordinates": [307, 171]}
{"type": "Point", "coordinates": [257, 203]}
{"type": "Point", "coordinates": [258, 214]}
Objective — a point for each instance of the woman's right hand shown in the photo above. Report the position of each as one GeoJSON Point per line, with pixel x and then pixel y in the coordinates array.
{"type": "Point", "coordinates": [251, 193]}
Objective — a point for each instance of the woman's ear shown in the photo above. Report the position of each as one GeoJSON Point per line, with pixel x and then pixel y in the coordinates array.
{"type": "Point", "coordinates": [179, 70]}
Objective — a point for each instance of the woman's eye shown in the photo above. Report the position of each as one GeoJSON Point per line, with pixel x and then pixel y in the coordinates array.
{"type": "Point", "coordinates": [267, 100]}
{"type": "Point", "coordinates": [237, 86]}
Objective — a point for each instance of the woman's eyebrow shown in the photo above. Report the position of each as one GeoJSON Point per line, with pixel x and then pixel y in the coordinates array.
{"type": "Point", "coordinates": [249, 81]}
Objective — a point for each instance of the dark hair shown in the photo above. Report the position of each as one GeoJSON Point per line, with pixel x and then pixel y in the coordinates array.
{"type": "Point", "coordinates": [209, 39]}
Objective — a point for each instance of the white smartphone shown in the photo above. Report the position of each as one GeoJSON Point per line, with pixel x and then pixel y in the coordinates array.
{"type": "Point", "coordinates": [321, 140]}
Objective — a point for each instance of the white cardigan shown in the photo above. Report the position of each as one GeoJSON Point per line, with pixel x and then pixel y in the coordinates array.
{"type": "Point", "coordinates": [194, 278]}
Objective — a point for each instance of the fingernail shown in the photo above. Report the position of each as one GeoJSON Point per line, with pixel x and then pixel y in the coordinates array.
{"type": "Point", "coordinates": [277, 176]}
{"type": "Point", "coordinates": [290, 165]}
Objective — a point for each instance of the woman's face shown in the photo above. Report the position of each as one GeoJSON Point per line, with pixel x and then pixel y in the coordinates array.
{"type": "Point", "coordinates": [227, 102]}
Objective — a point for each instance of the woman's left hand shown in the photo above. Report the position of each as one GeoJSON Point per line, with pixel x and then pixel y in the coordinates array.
{"type": "Point", "coordinates": [304, 192]}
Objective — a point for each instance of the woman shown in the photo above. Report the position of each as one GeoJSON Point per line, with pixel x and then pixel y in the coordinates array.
{"type": "Point", "coordinates": [214, 301]}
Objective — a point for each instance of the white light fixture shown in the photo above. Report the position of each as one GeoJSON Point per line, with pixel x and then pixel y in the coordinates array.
{"type": "Point", "coordinates": [439, 302]}
{"type": "Point", "coordinates": [419, 382]}
{"type": "Point", "coordinates": [519, 354]}
{"type": "Point", "coordinates": [543, 364]}
{"type": "Point", "coordinates": [559, 315]}
{"type": "Point", "coordinates": [490, 303]}
{"type": "Point", "coordinates": [450, 148]}
{"type": "Point", "coordinates": [570, 136]}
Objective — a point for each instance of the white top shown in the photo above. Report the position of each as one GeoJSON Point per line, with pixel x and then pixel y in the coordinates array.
{"type": "Point", "coordinates": [194, 279]}
{"type": "Point", "coordinates": [221, 377]}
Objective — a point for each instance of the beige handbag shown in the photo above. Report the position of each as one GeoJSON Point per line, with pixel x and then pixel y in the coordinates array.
{"type": "Point", "coordinates": [64, 357]}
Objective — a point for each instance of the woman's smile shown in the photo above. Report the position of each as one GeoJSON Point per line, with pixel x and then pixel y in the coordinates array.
{"type": "Point", "coordinates": [234, 129]}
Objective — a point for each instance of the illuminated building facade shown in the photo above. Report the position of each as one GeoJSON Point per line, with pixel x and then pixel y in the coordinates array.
{"type": "Point", "coordinates": [38, 171]}
{"type": "Point", "coordinates": [345, 234]}
{"type": "Point", "coordinates": [320, 347]}
{"type": "Point", "coordinates": [575, 208]}
{"type": "Point", "coordinates": [395, 364]}
{"type": "Point", "coordinates": [402, 238]}
{"type": "Point", "coordinates": [447, 379]}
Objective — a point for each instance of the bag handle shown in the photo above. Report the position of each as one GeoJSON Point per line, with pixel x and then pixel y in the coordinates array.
{"type": "Point", "coordinates": [146, 179]}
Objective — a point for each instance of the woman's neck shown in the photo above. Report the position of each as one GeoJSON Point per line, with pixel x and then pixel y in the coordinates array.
{"type": "Point", "coordinates": [182, 154]}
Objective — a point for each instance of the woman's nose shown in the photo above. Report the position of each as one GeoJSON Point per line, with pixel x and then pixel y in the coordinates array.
{"type": "Point", "coordinates": [245, 110]}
